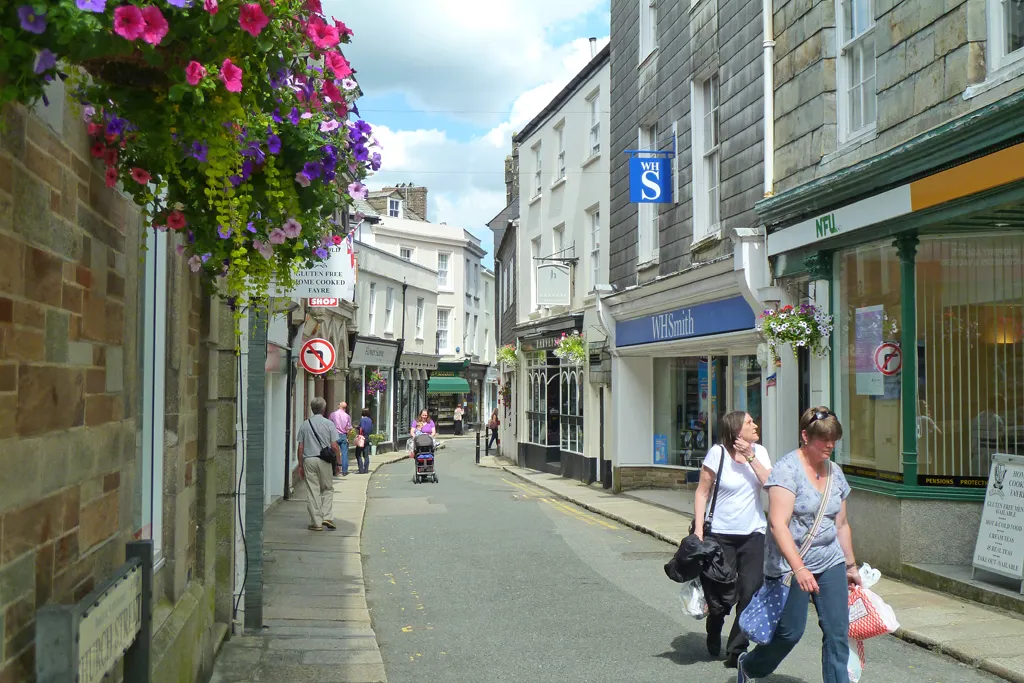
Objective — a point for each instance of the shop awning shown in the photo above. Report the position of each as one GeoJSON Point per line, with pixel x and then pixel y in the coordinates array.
{"type": "Point", "coordinates": [447, 385]}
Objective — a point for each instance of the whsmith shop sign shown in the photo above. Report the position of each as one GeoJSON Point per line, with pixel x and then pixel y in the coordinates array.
{"type": "Point", "coordinates": [702, 320]}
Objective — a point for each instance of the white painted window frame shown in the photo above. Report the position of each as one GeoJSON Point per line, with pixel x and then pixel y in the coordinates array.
{"type": "Point", "coordinates": [705, 159]}
{"type": "Point", "coordinates": [648, 25]}
{"type": "Point", "coordinates": [534, 255]}
{"type": "Point", "coordinates": [560, 165]}
{"type": "Point", "coordinates": [848, 50]}
{"type": "Point", "coordinates": [444, 316]}
{"type": "Point", "coordinates": [406, 253]}
{"type": "Point", "coordinates": [372, 305]}
{"type": "Point", "coordinates": [538, 170]}
{"type": "Point", "coordinates": [594, 218]}
{"type": "Point", "coordinates": [421, 305]}
{"type": "Point", "coordinates": [389, 311]}
{"type": "Point", "coordinates": [999, 58]}
{"type": "Point", "coordinates": [444, 275]}
{"type": "Point", "coordinates": [395, 208]}
{"type": "Point", "coordinates": [594, 104]}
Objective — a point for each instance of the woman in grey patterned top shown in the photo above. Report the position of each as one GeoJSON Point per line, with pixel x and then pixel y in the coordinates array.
{"type": "Point", "coordinates": [795, 488]}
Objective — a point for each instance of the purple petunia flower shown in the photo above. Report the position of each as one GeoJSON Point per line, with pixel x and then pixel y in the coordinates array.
{"type": "Point", "coordinates": [293, 116]}
{"type": "Point", "coordinates": [180, 3]}
{"type": "Point", "coordinates": [92, 5]}
{"type": "Point", "coordinates": [273, 143]}
{"type": "Point", "coordinates": [321, 253]}
{"type": "Point", "coordinates": [45, 61]}
{"type": "Point", "coordinates": [329, 163]}
{"type": "Point", "coordinates": [360, 152]}
{"type": "Point", "coordinates": [247, 167]}
{"type": "Point", "coordinates": [115, 126]}
{"type": "Point", "coordinates": [30, 21]}
{"type": "Point", "coordinates": [223, 232]}
{"type": "Point", "coordinates": [235, 180]}
{"type": "Point", "coordinates": [199, 151]}
{"type": "Point", "coordinates": [312, 169]}
{"type": "Point", "coordinates": [251, 228]}
{"type": "Point", "coordinates": [254, 151]}
{"type": "Point", "coordinates": [375, 161]}
{"type": "Point", "coordinates": [277, 115]}
{"type": "Point", "coordinates": [329, 175]}
{"type": "Point", "coordinates": [363, 128]}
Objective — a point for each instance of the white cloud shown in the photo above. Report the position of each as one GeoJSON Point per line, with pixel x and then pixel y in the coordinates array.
{"type": "Point", "coordinates": [465, 180]}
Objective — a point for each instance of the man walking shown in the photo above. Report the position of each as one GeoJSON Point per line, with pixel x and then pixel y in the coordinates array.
{"type": "Point", "coordinates": [343, 421]}
{"type": "Point", "coordinates": [314, 436]}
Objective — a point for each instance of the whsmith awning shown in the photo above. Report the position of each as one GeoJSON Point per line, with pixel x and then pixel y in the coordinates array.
{"type": "Point", "coordinates": [447, 385]}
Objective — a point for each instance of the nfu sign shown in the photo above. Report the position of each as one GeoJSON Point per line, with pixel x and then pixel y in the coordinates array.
{"type": "Point", "coordinates": [650, 180]}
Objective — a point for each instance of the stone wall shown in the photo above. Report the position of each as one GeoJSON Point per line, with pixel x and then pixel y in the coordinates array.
{"type": "Point", "coordinates": [70, 388]}
{"type": "Point", "coordinates": [713, 38]}
{"type": "Point", "coordinates": [928, 55]}
{"type": "Point", "coordinates": [628, 478]}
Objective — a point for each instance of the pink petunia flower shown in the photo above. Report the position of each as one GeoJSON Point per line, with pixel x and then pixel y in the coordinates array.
{"type": "Point", "coordinates": [331, 92]}
{"type": "Point", "coordinates": [96, 150]}
{"type": "Point", "coordinates": [302, 179]}
{"type": "Point", "coordinates": [342, 29]}
{"type": "Point", "coordinates": [110, 176]}
{"type": "Point", "coordinates": [179, 249]}
{"type": "Point", "coordinates": [156, 26]}
{"type": "Point", "coordinates": [292, 228]}
{"type": "Point", "coordinates": [323, 35]}
{"type": "Point", "coordinates": [328, 125]}
{"type": "Point", "coordinates": [176, 220]}
{"type": "Point", "coordinates": [88, 111]}
{"type": "Point", "coordinates": [110, 155]}
{"type": "Point", "coordinates": [265, 250]}
{"type": "Point", "coordinates": [231, 76]}
{"type": "Point", "coordinates": [194, 72]}
{"type": "Point", "coordinates": [210, 6]}
{"type": "Point", "coordinates": [358, 191]}
{"type": "Point", "coordinates": [277, 236]}
{"type": "Point", "coordinates": [338, 64]}
{"type": "Point", "coordinates": [314, 6]}
{"type": "Point", "coordinates": [141, 176]}
{"type": "Point", "coordinates": [252, 19]}
{"type": "Point", "coordinates": [195, 263]}
{"type": "Point", "coordinates": [129, 22]}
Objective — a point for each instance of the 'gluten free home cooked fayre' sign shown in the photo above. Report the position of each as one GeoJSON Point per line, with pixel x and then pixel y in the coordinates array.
{"type": "Point", "coordinates": [1000, 545]}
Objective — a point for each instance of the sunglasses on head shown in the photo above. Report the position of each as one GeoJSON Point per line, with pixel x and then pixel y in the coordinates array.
{"type": "Point", "coordinates": [821, 415]}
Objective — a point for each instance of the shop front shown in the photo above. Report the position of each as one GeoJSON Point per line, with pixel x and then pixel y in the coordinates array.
{"type": "Point", "coordinates": [448, 389]}
{"type": "Point", "coordinates": [680, 370]}
{"type": "Point", "coordinates": [373, 363]}
{"type": "Point", "coordinates": [925, 282]}
{"type": "Point", "coordinates": [414, 373]}
{"type": "Point", "coordinates": [552, 437]}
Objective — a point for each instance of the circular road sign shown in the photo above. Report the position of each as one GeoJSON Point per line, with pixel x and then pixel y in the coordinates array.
{"type": "Point", "coordinates": [317, 356]}
{"type": "Point", "coordinates": [889, 359]}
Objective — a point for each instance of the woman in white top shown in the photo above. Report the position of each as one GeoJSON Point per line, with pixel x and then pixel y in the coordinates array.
{"type": "Point", "coordinates": [738, 523]}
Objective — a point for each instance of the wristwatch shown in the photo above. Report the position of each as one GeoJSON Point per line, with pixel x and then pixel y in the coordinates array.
{"type": "Point", "coordinates": [750, 458]}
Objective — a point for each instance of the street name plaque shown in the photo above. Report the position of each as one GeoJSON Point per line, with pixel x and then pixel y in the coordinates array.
{"type": "Point", "coordinates": [1000, 545]}
{"type": "Point", "coordinates": [107, 630]}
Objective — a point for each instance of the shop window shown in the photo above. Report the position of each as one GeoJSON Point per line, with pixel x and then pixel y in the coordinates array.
{"type": "Point", "coordinates": [868, 329]}
{"type": "Point", "coordinates": [571, 413]}
{"type": "Point", "coordinates": [970, 332]}
{"type": "Point", "coordinates": [537, 397]}
{"type": "Point", "coordinates": [746, 387]}
{"type": "Point", "coordinates": [685, 406]}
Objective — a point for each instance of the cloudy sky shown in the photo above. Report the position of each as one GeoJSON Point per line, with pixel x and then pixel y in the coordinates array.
{"type": "Point", "coordinates": [446, 82]}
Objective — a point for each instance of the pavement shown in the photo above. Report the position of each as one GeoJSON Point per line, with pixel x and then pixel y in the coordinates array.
{"type": "Point", "coordinates": [980, 636]}
{"type": "Point", "coordinates": [486, 577]}
{"type": "Point", "coordinates": [315, 630]}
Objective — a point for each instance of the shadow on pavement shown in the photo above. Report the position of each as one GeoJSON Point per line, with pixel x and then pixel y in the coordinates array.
{"type": "Point", "coordinates": [691, 648]}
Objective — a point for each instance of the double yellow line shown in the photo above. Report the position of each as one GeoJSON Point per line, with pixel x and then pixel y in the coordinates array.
{"type": "Point", "coordinates": [560, 506]}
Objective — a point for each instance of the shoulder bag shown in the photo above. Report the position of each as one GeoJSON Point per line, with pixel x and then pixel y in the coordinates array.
{"type": "Point", "coordinates": [714, 498]}
{"type": "Point", "coordinates": [326, 452]}
{"type": "Point", "coordinates": [761, 617]}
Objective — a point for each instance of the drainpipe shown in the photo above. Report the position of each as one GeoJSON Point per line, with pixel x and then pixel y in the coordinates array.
{"type": "Point", "coordinates": [769, 99]}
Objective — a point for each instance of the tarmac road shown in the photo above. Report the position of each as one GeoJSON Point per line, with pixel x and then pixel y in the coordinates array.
{"type": "Point", "coordinates": [482, 577]}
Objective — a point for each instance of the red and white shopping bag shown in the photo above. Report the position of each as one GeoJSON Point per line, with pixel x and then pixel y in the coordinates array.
{"type": "Point", "coordinates": [869, 615]}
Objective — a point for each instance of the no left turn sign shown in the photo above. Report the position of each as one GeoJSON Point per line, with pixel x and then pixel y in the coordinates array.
{"type": "Point", "coordinates": [889, 359]}
{"type": "Point", "coordinates": [317, 356]}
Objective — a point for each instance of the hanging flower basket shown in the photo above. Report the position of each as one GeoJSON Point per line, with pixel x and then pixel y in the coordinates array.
{"type": "Point", "coordinates": [225, 121]}
{"type": "Point", "coordinates": [508, 357]}
{"type": "Point", "coordinates": [572, 348]}
{"type": "Point", "coordinates": [376, 384]}
{"type": "Point", "coordinates": [807, 326]}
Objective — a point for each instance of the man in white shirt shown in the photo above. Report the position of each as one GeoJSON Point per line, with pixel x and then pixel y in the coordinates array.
{"type": "Point", "coordinates": [314, 435]}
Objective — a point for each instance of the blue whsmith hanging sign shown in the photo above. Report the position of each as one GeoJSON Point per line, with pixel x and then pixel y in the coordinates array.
{"type": "Point", "coordinates": [650, 180]}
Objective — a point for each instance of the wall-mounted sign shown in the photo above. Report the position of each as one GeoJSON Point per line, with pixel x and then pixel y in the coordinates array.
{"type": "Point", "coordinates": [323, 302]}
{"type": "Point", "coordinates": [317, 356]}
{"type": "Point", "coordinates": [554, 286]}
{"type": "Point", "coordinates": [714, 317]}
{"type": "Point", "coordinates": [333, 278]}
{"type": "Point", "coordinates": [661, 449]}
{"type": "Point", "coordinates": [1000, 545]}
{"type": "Point", "coordinates": [374, 354]}
{"type": "Point", "coordinates": [889, 359]}
{"type": "Point", "coordinates": [650, 180]}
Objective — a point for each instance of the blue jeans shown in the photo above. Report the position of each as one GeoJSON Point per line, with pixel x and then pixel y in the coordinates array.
{"type": "Point", "coordinates": [833, 617]}
{"type": "Point", "coordinates": [343, 445]}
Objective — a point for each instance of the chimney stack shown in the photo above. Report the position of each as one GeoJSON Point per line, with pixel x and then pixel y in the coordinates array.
{"type": "Point", "coordinates": [593, 47]}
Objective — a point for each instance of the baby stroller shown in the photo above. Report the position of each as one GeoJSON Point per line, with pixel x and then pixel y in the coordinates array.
{"type": "Point", "coordinates": [423, 454]}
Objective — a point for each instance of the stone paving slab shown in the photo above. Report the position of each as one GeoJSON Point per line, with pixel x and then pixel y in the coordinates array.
{"type": "Point", "coordinates": [316, 622]}
{"type": "Point", "coordinates": [986, 637]}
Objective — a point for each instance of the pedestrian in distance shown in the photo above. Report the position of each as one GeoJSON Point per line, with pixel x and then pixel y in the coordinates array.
{"type": "Point", "coordinates": [492, 430]}
{"type": "Point", "coordinates": [363, 442]}
{"type": "Point", "coordinates": [457, 416]}
{"type": "Point", "coordinates": [807, 498]}
{"type": "Point", "coordinates": [740, 467]}
{"type": "Point", "coordinates": [316, 465]}
{"type": "Point", "coordinates": [343, 421]}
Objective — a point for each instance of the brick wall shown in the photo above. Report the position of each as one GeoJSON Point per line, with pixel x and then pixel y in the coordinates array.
{"type": "Point", "coordinates": [629, 478]}
{"type": "Point", "coordinates": [927, 54]}
{"type": "Point", "coordinates": [722, 38]}
{"type": "Point", "coordinates": [67, 402]}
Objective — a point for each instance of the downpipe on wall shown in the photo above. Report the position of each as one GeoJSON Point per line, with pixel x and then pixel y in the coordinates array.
{"type": "Point", "coordinates": [769, 98]}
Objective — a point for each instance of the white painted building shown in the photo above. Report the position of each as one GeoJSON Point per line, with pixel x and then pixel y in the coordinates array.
{"type": "Point", "coordinates": [463, 337]}
{"type": "Point", "coordinates": [563, 212]}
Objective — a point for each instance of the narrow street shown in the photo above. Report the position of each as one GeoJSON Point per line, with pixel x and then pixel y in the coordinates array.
{"type": "Point", "coordinates": [484, 577]}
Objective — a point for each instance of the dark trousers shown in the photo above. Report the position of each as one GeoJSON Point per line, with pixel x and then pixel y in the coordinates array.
{"type": "Point", "coordinates": [363, 459]}
{"type": "Point", "coordinates": [746, 553]}
{"type": "Point", "coordinates": [458, 427]}
{"type": "Point", "coordinates": [492, 439]}
{"type": "Point", "coordinates": [833, 609]}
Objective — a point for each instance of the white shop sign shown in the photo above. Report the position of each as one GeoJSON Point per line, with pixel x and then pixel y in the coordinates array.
{"type": "Point", "coordinates": [379, 355]}
{"type": "Point", "coordinates": [553, 285]}
{"type": "Point", "coordinates": [1000, 545]}
{"type": "Point", "coordinates": [333, 278]}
